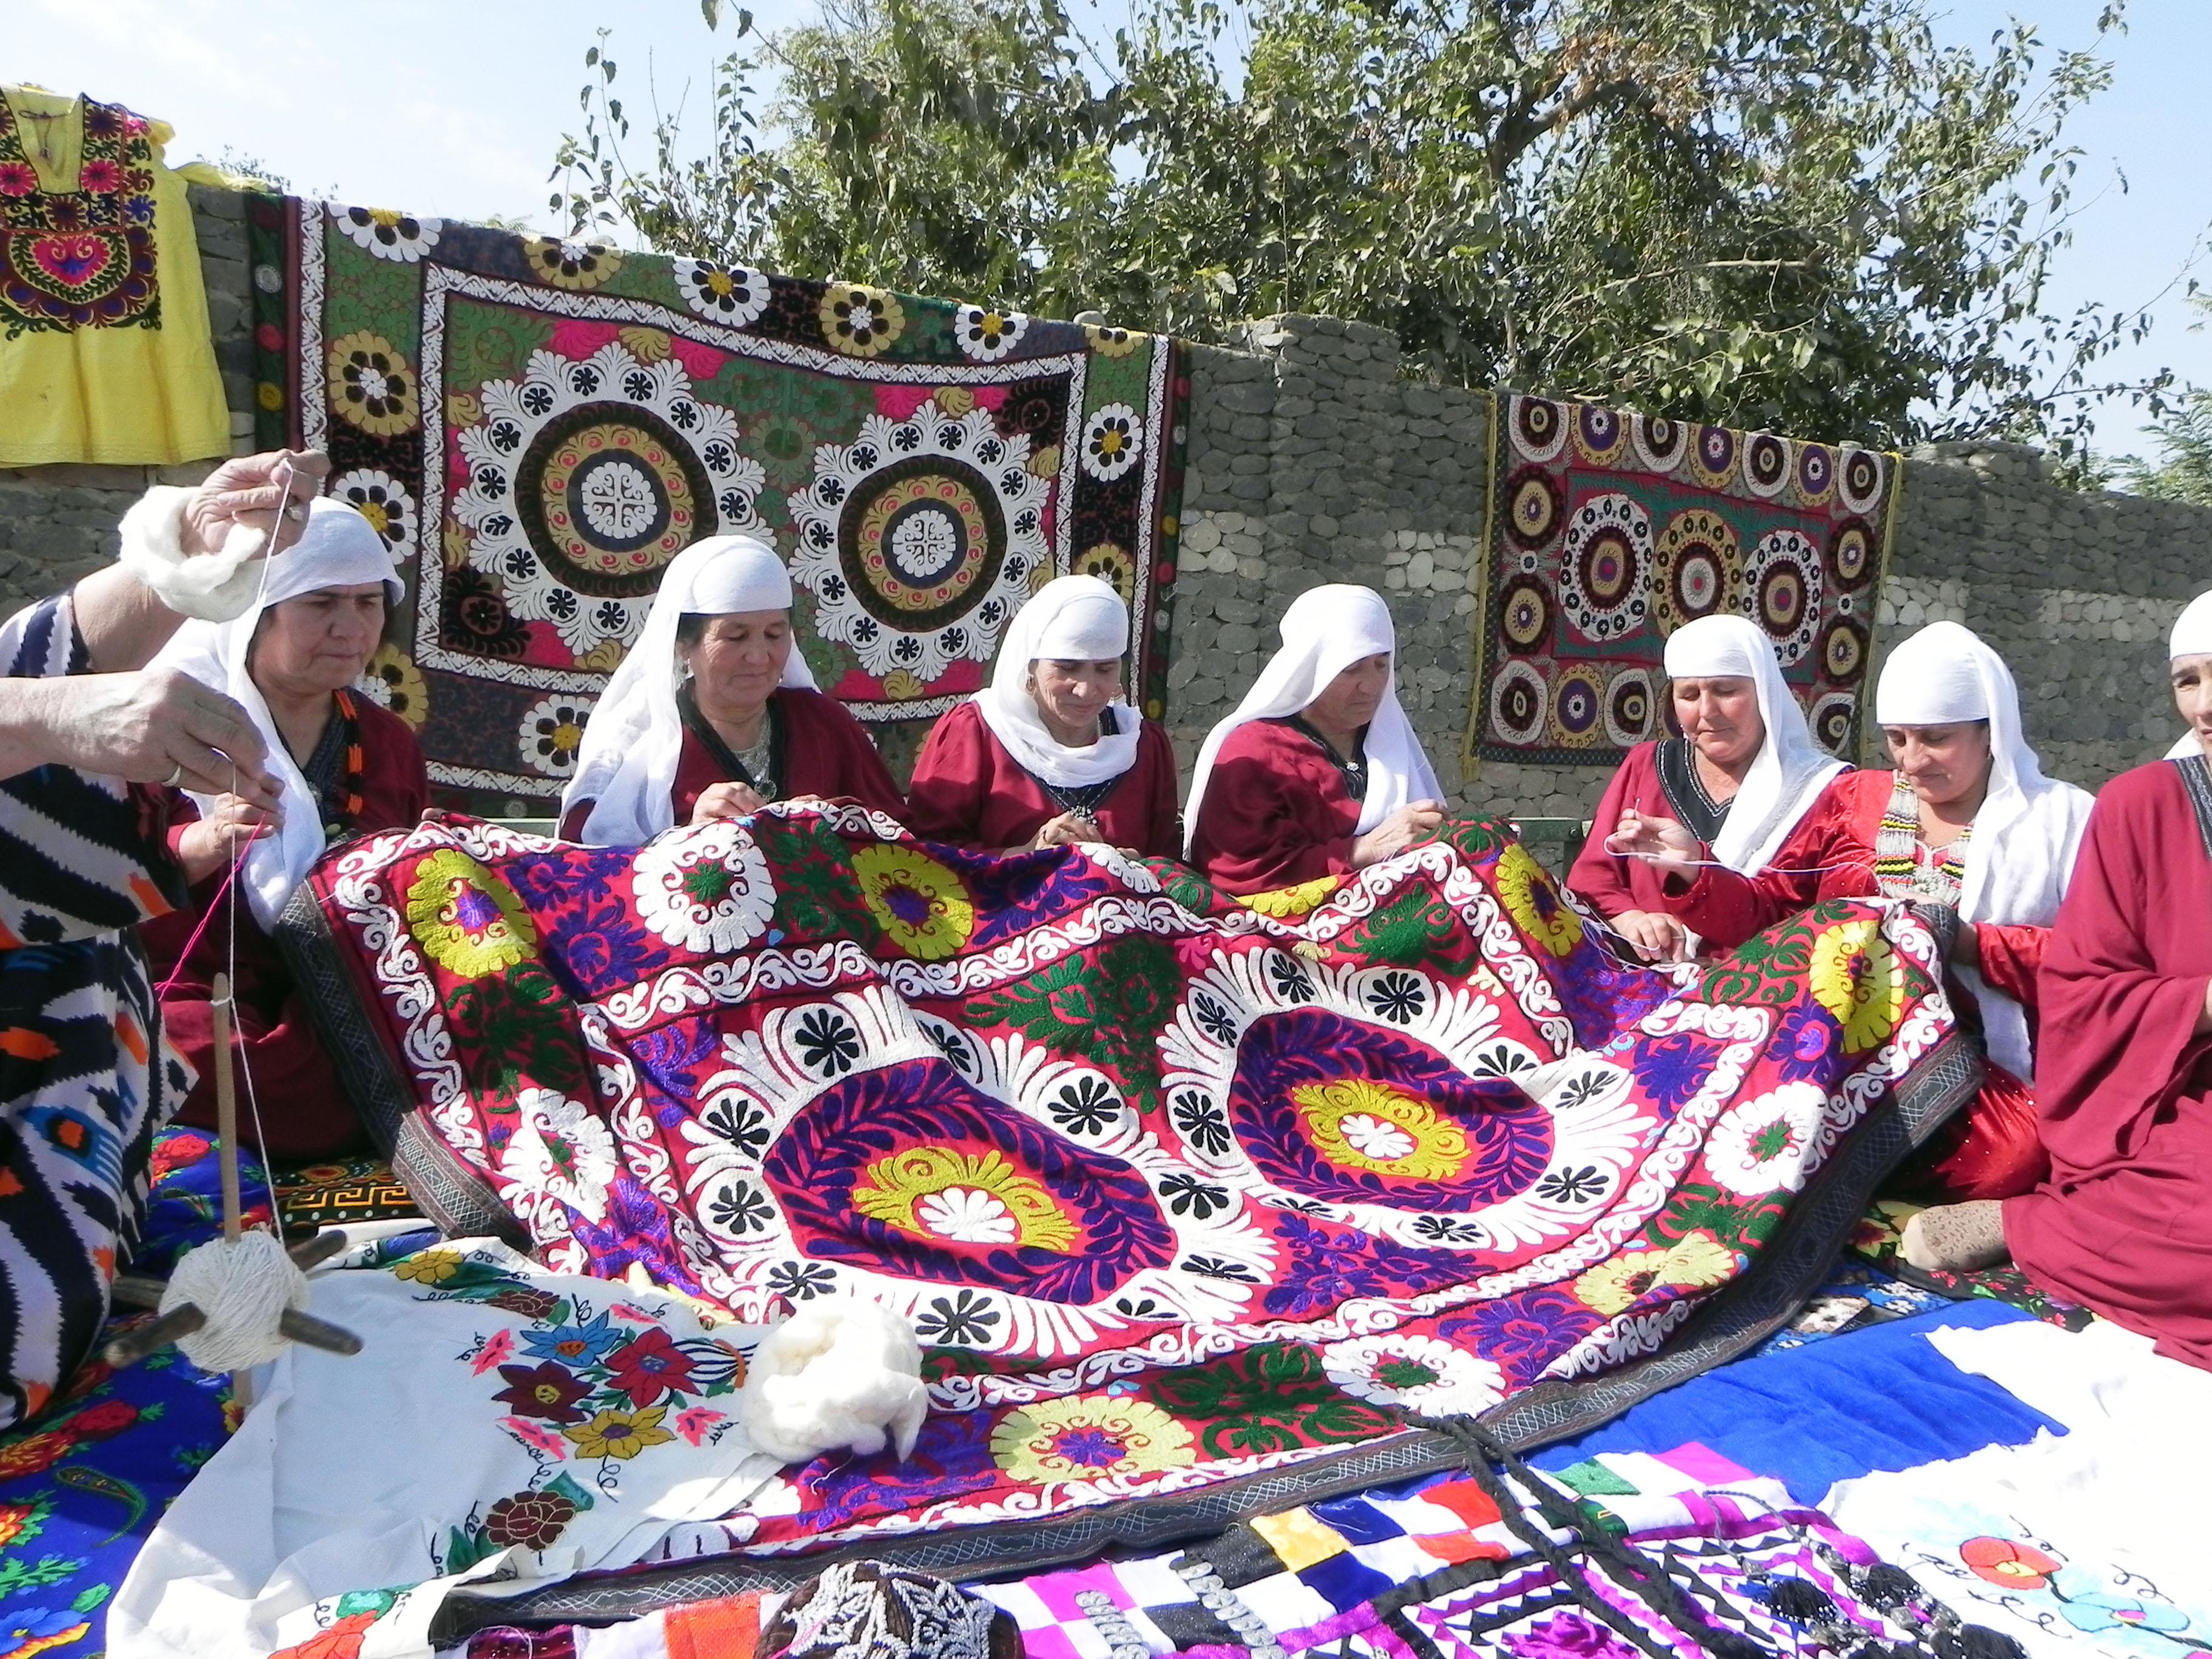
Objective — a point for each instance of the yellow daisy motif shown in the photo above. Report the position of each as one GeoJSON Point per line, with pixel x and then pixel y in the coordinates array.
{"type": "Point", "coordinates": [394, 681]}
{"type": "Point", "coordinates": [1287, 902]}
{"type": "Point", "coordinates": [919, 903]}
{"type": "Point", "coordinates": [900, 685]}
{"type": "Point", "coordinates": [429, 1266]}
{"type": "Point", "coordinates": [1358, 1124]}
{"type": "Point", "coordinates": [371, 384]}
{"type": "Point", "coordinates": [621, 1435]}
{"type": "Point", "coordinates": [1697, 1261]}
{"type": "Point", "coordinates": [469, 920]}
{"type": "Point", "coordinates": [568, 264]}
{"type": "Point", "coordinates": [1857, 977]}
{"type": "Point", "coordinates": [1090, 1438]}
{"type": "Point", "coordinates": [1111, 565]}
{"type": "Point", "coordinates": [1534, 902]}
{"type": "Point", "coordinates": [1111, 342]}
{"type": "Point", "coordinates": [859, 320]}
{"type": "Point", "coordinates": [938, 1195]}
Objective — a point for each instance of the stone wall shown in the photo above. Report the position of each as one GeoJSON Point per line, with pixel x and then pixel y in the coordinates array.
{"type": "Point", "coordinates": [1312, 460]}
{"type": "Point", "coordinates": [57, 523]}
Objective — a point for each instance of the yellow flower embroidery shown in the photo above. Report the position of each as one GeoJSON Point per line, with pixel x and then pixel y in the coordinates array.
{"type": "Point", "coordinates": [1857, 977]}
{"type": "Point", "coordinates": [621, 1435]}
{"type": "Point", "coordinates": [859, 320]}
{"type": "Point", "coordinates": [900, 685]}
{"type": "Point", "coordinates": [1089, 1439]}
{"type": "Point", "coordinates": [1534, 904]}
{"type": "Point", "coordinates": [1696, 1263]}
{"type": "Point", "coordinates": [1358, 1124]}
{"type": "Point", "coordinates": [934, 1193]}
{"type": "Point", "coordinates": [1287, 902]}
{"type": "Point", "coordinates": [1111, 565]}
{"type": "Point", "coordinates": [429, 1266]}
{"type": "Point", "coordinates": [469, 920]}
{"type": "Point", "coordinates": [569, 264]}
{"type": "Point", "coordinates": [371, 384]}
{"type": "Point", "coordinates": [392, 671]}
{"type": "Point", "coordinates": [919, 903]}
{"type": "Point", "coordinates": [1110, 342]}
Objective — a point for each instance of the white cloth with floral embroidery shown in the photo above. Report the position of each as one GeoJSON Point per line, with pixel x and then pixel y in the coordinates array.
{"type": "Point", "coordinates": [567, 1427]}
{"type": "Point", "coordinates": [2092, 1543]}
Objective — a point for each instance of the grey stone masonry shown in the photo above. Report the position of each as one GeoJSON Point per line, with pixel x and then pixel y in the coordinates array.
{"type": "Point", "coordinates": [57, 523]}
{"type": "Point", "coordinates": [1367, 476]}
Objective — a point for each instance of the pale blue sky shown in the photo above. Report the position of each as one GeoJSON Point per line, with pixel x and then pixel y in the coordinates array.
{"type": "Point", "coordinates": [454, 107]}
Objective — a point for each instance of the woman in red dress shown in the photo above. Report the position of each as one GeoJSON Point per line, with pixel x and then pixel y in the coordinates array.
{"type": "Point", "coordinates": [1050, 755]}
{"type": "Point", "coordinates": [346, 768]}
{"type": "Point", "coordinates": [1745, 770]}
{"type": "Point", "coordinates": [1966, 820]}
{"type": "Point", "coordinates": [714, 713]}
{"type": "Point", "coordinates": [1318, 772]}
{"type": "Point", "coordinates": [2124, 1086]}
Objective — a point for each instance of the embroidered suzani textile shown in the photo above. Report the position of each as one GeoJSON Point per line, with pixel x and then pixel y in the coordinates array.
{"type": "Point", "coordinates": [1609, 531]}
{"type": "Point", "coordinates": [1176, 1190]}
{"type": "Point", "coordinates": [538, 426]}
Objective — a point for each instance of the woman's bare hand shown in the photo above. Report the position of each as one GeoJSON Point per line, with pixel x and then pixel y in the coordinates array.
{"type": "Point", "coordinates": [727, 800]}
{"type": "Point", "coordinates": [1656, 936]}
{"type": "Point", "coordinates": [1411, 823]}
{"type": "Point", "coordinates": [214, 841]}
{"type": "Point", "coordinates": [1656, 841]}
{"type": "Point", "coordinates": [248, 491]}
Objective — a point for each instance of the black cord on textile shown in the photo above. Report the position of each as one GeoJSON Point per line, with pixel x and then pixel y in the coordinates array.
{"type": "Point", "coordinates": [1630, 1567]}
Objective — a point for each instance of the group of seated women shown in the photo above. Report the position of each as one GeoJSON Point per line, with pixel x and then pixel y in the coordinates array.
{"type": "Point", "coordinates": [714, 714]}
{"type": "Point", "coordinates": [2094, 1137]}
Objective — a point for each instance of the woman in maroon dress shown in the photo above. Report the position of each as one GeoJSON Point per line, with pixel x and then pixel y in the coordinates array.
{"type": "Point", "coordinates": [1318, 772]}
{"type": "Point", "coordinates": [1740, 776]}
{"type": "Point", "coordinates": [1968, 821]}
{"type": "Point", "coordinates": [347, 768]}
{"type": "Point", "coordinates": [1050, 755]}
{"type": "Point", "coordinates": [2124, 1084]}
{"type": "Point", "coordinates": [714, 713]}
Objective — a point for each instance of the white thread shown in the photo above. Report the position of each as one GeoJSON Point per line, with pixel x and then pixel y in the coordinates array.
{"type": "Point", "coordinates": [244, 1288]}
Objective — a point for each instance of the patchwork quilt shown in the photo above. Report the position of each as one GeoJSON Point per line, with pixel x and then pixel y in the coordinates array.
{"type": "Point", "coordinates": [1192, 1201]}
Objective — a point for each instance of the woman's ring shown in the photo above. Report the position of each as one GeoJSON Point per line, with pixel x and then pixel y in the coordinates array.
{"type": "Point", "coordinates": [176, 776]}
{"type": "Point", "coordinates": [297, 512]}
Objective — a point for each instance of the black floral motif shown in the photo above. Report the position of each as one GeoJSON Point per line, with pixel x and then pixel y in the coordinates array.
{"type": "Point", "coordinates": [1503, 1060]}
{"type": "Point", "coordinates": [1213, 1267]}
{"type": "Point", "coordinates": [1571, 1186]}
{"type": "Point", "coordinates": [1213, 1018]}
{"type": "Point", "coordinates": [1445, 1231]}
{"type": "Point", "coordinates": [964, 1318]}
{"type": "Point", "coordinates": [827, 1042]}
{"type": "Point", "coordinates": [1085, 1107]}
{"type": "Point", "coordinates": [476, 618]}
{"type": "Point", "coordinates": [1139, 1307]}
{"type": "Point", "coordinates": [1292, 983]}
{"type": "Point", "coordinates": [956, 1045]}
{"type": "Point", "coordinates": [1581, 1090]}
{"type": "Point", "coordinates": [1203, 1125]}
{"type": "Point", "coordinates": [800, 1282]}
{"type": "Point", "coordinates": [741, 1208]}
{"type": "Point", "coordinates": [1188, 1195]}
{"type": "Point", "coordinates": [744, 1126]}
{"type": "Point", "coordinates": [1399, 997]}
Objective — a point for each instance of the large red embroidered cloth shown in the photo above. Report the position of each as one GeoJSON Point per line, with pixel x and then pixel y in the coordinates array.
{"type": "Point", "coordinates": [1176, 1190]}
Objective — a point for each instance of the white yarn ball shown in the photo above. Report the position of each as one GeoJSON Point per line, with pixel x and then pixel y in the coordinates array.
{"type": "Point", "coordinates": [840, 1372]}
{"type": "Point", "coordinates": [244, 1289]}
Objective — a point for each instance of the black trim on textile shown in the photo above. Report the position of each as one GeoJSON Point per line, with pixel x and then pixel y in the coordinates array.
{"type": "Point", "coordinates": [1695, 810]}
{"type": "Point", "coordinates": [374, 1086]}
{"type": "Point", "coordinates": [1353, 771]}
{"type": "Point", "coordinates": [717, 748]}
{"type": "Point", "coordinates": [2196, 782]}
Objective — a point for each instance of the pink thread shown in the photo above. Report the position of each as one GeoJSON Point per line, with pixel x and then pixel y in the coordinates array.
{"type": "Point", "coordinates": [215, 902]}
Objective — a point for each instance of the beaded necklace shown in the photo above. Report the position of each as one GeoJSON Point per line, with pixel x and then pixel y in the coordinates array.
{"type": "Point", "coordinates": [1904, 868]}
{"type": "Point", "coordinates": [335, 770]}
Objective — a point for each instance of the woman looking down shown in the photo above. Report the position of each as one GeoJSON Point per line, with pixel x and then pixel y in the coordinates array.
{"type": "Point", "coordinates": [1966, 820]}
{"type": "Point", "coordinates": [344, 766]}
{"type": "Point", "coordinates": [1050, 754]}
{"type": "Point", "coordinates": [1318, 772]}
{"type": "Point", "coordinates": [1739, 779]}
{"type": "Point", "coordinates": [714, 713]}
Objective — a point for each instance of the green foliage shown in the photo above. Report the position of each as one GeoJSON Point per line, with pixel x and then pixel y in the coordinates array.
{"type": "Point", "coordinates": [1804, 215]}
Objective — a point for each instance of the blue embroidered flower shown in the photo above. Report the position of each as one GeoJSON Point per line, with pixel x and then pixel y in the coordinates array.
{"type": "Point", "coordinates": [1804, 1045]}
{"type": "Point", "coordinates": [2087, 1605]}
{"type": "Point", "coordinates": [1672, 1069]}
{"type": "Point", "coordinates": [574, 1345]}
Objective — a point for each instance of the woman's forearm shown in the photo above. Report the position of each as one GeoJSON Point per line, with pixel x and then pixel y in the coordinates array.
{"type": "Point", "coordinates": [119, 620]}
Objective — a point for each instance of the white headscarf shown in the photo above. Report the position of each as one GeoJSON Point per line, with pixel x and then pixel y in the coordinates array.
{"type": "Point", "coordinates": [2192, 637]}
{"type": "Point", "coordinates": [1325, 631]}
{"type": "Point", "coordinates": [1069, 619]}
{"type": "Point", "coordinates": [1789, 771]}
{"type": "Point", "coordinates": [626, 762]}
{"type": "Point", "coordinates": [338, 548]}
{"type": "Point", "coordinates": [2028, 830]}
